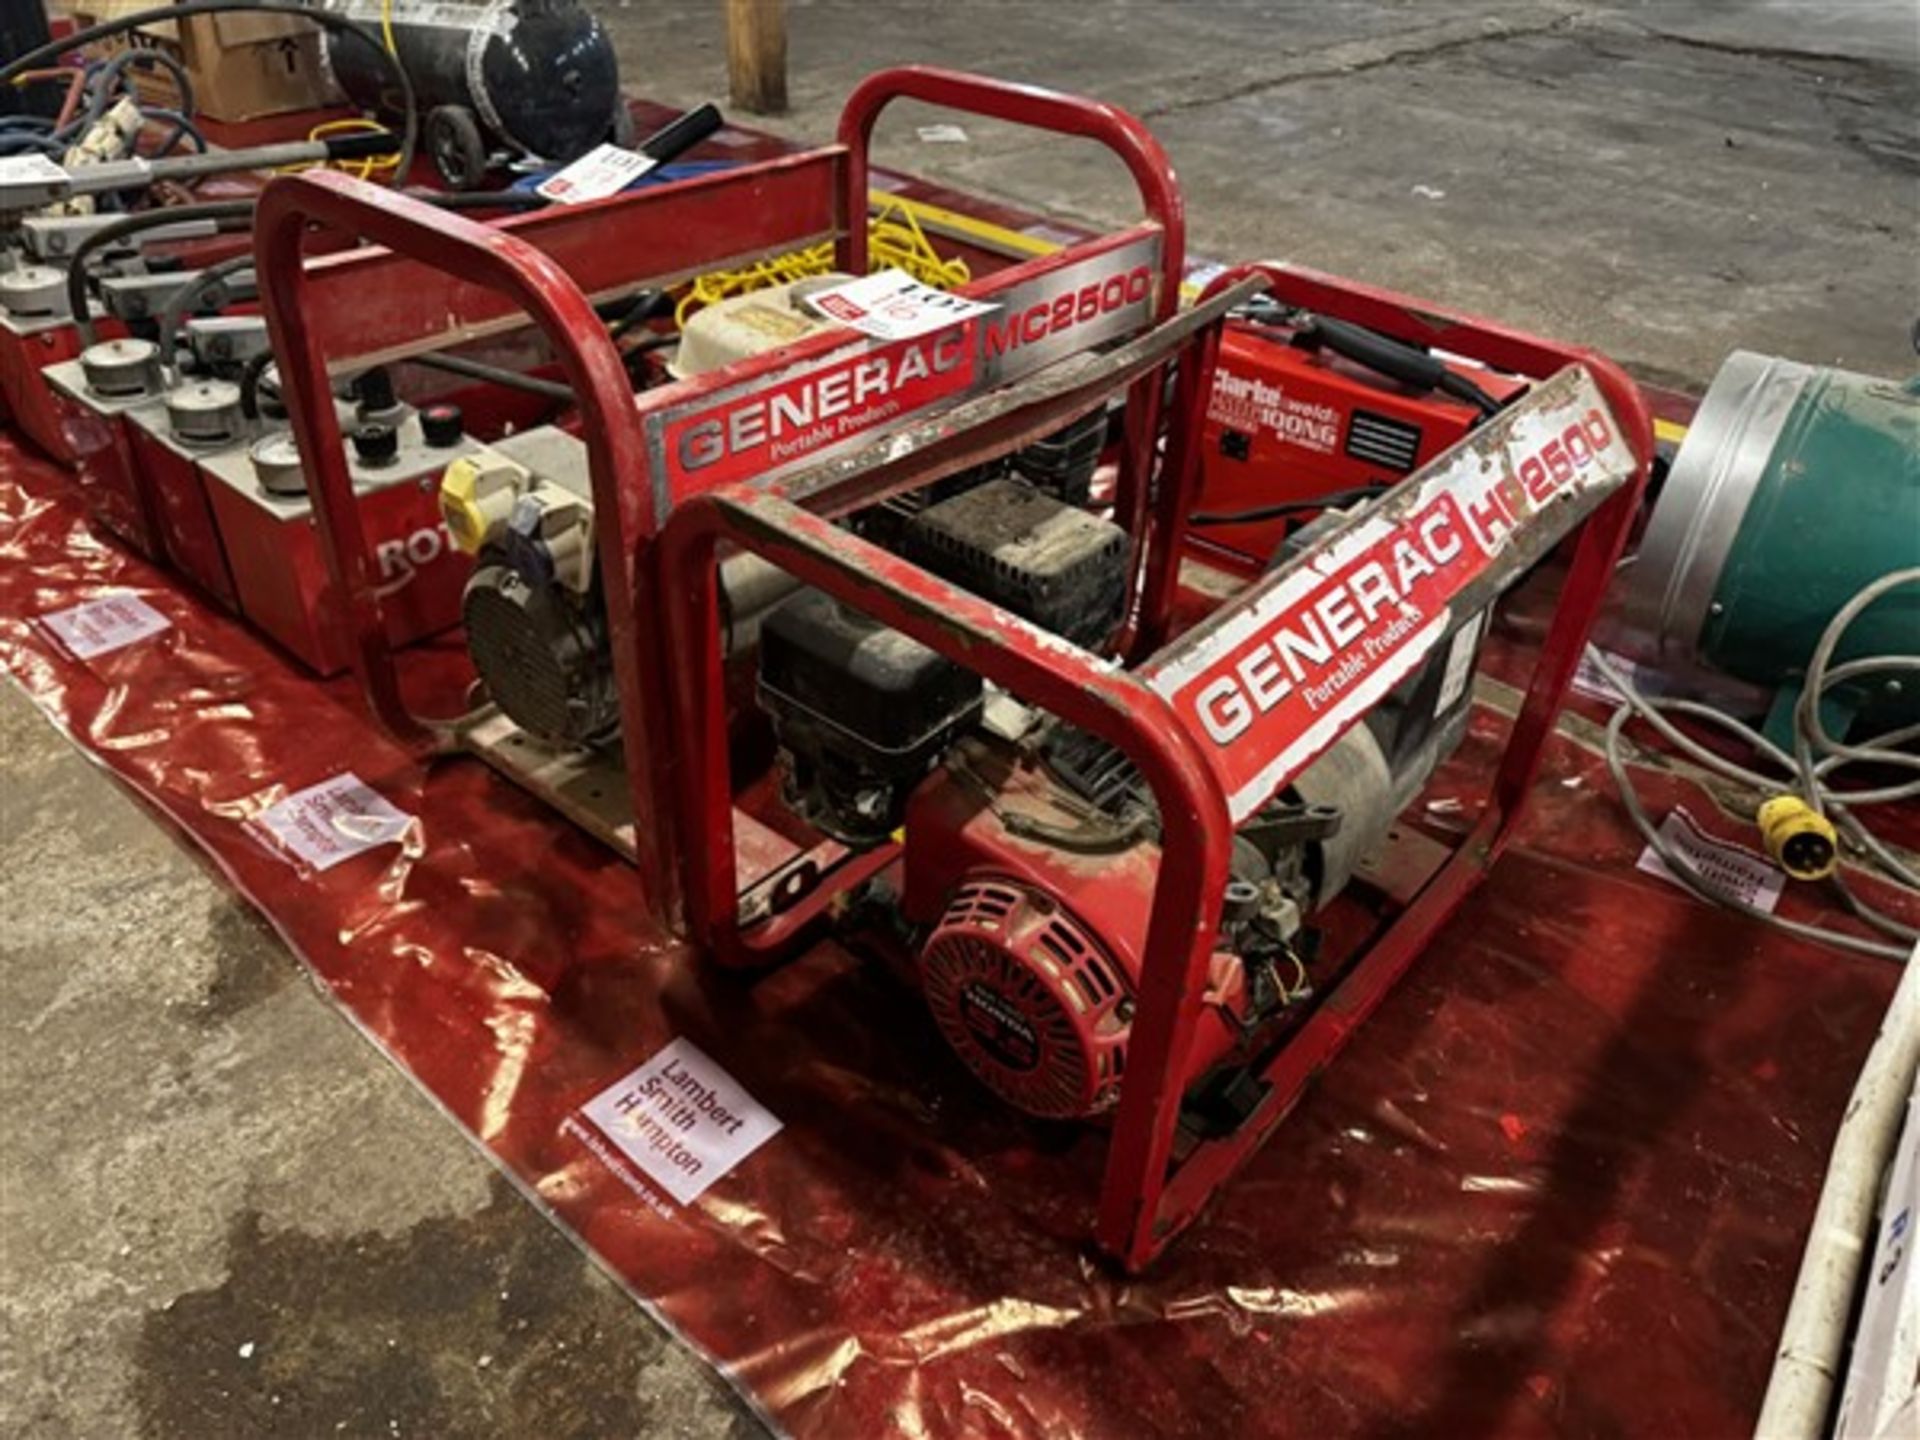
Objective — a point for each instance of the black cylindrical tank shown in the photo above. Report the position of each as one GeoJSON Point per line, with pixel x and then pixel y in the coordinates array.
{"type": "Point", "coordinates": [538, 75]}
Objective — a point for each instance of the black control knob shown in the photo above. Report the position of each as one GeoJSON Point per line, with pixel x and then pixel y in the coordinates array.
{"type": "Point", "coordinates": [442, 425]}
{"type": "Point", "coordinates": [375, 393]}
{"type": "Point", "coordinates": [375, 443]}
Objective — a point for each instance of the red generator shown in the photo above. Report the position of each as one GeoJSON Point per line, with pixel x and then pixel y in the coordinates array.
{"type": "Point", "coordinates": [833, 636]}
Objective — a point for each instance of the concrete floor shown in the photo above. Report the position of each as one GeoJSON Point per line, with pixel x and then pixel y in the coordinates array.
{"type": "Point", "coordinates": [1664, 181]}
{"type": "Point", "coordinates": [222, 1214]}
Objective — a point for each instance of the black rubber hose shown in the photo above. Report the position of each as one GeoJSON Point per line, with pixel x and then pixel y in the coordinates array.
{"type": "Point", "coordinates": [219, 211]}
{"type": "Point", "coordinates": [494, 374]}
{"type": "Point", "coordinates": [250, 374]}
{"type": "Point", "coordinates": [682, 133]}
{"type": "Point", "coordinates": [480, 199]}
{"type": "Point", "coordinates": [167, 14]}
{"type": "Point", "coordinates": [1396, 360]}
{"type": "Point", "coordinates": [623, 315]}
{"type": "Point", "coordinates": [360, 145]}
{"type": "Point", "coordinates": [190, 296]}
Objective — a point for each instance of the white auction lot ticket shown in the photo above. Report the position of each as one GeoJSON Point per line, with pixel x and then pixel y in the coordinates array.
{"type": "Point", "coordinates": [892, 305]}
{"type": "Point", "coordinates": [99, 627]}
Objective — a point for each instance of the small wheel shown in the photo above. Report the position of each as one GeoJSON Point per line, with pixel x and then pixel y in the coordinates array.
{"type": "Point", "coordinates": [453, 139]}
{"type": "Point", "coordinates": [622, 131]}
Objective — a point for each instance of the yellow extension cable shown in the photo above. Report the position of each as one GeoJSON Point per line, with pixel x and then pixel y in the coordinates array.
{"type": "Point", "coordinates": [895, 241]}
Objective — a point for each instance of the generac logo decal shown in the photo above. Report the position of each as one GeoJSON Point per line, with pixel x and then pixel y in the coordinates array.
{"type": "Point", "coordinates": [799, 415]}
{"type": "Point", "coordinates": [1047, 316]}
{"type": "Point", "coordinates": [1274, 681]}
{"type": "Point", "coordinates": [788, 417]}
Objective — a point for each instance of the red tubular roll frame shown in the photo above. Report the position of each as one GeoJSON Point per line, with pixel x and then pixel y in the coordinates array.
{"type": "Point", "coordinates": [1143, 1202]}
{"type": "Point", "coordinates": [446, 274]}
{"type": "Point", "coordinates": [443, 277]}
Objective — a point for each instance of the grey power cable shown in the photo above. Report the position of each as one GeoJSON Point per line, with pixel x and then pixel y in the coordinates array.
{"type": "Point", "coordinates": [1816, 756]}
{"type": "Point", "coordinates": [1807, 721]}
{"type": "Point", "coordinates": [1684, 872]}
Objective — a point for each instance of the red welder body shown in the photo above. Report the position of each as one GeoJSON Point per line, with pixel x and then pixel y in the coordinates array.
{"type": "Point", "coordinates": [1287, 423]}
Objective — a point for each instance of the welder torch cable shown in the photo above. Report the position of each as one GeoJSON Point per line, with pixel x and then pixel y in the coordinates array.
{"type": "Point", "coordinates": [168, 14]}
{"type": "Point", "coordinates": [1806, 772]}
{"type": "Point", "coordinates": [1398, 360]}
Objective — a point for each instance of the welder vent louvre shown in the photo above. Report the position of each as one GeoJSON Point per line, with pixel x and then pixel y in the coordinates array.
{"type": "Point", "coordinates": [1384, 441]}
{"type": "Point", "coordinates": [1024, 997]}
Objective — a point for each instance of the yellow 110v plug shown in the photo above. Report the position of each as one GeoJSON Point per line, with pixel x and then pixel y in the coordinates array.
{"type": "Point", "coordinates": [1801, 841]}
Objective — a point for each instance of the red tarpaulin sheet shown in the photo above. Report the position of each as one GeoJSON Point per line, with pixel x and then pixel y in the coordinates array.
{"type": "Point", "coordinates": [1557, 1186]}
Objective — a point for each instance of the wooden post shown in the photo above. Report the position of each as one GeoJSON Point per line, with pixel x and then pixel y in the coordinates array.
{"type": "Point", "coordinates": [757, 55]}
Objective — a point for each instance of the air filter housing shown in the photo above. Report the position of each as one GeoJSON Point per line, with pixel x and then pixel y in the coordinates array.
{"type": "Point", "coordinates": [862, 712]}
{"type": "Point", "coordinates": [1008, 542]}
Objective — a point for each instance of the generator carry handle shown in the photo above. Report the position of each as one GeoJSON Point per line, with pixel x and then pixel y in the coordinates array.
{"type": "Point", "coordinates": [497, 261]}
{"type": "Point", "coordinates": [1155, 557]}
{"type": "Point", "coordinates": [1027, 105]}
{"type": "Point", "coordinates": [482, 255]}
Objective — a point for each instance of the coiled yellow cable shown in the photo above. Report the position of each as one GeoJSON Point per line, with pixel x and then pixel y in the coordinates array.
{"type": "Point", "coordinates": [895, 241]}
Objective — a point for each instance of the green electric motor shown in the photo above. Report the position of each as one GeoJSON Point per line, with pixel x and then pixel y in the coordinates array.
{"type": "Point", "coordinates": [1795, 487]}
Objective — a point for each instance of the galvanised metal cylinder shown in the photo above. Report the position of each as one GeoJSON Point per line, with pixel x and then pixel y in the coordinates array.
{"type": "Point", "coordinates": [1796, 485]}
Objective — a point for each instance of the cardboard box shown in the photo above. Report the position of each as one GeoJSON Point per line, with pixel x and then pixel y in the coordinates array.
{"type": "Point", "coordinates": [242, 66]}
